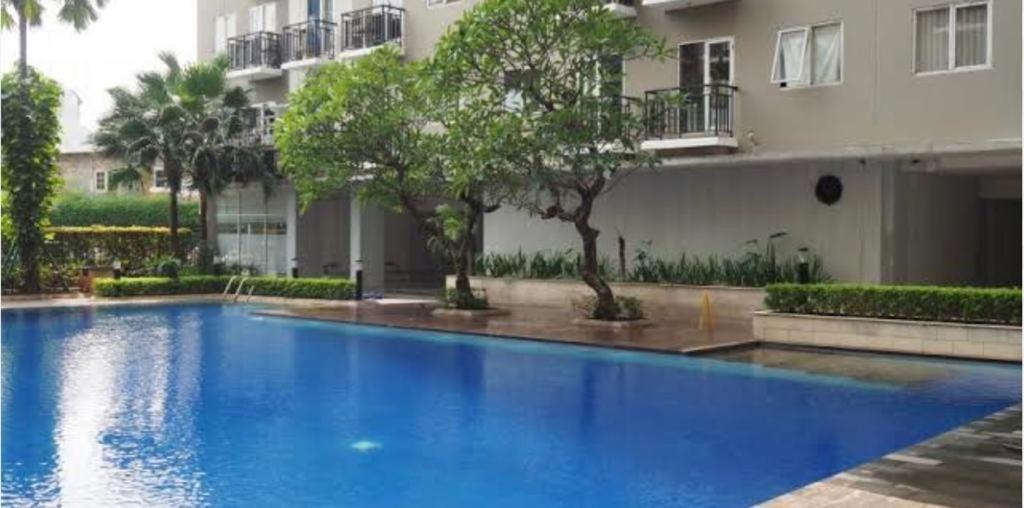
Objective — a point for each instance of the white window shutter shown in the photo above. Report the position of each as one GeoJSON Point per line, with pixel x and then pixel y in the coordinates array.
{"type": "Point", "coordinates": [220, 37]}
{"type": "Point", "coordinates": [270, 17]}
{"type": "Point", "coordinates": [232, 28]}
{"type": "Point", "coordinates": [255, 19]}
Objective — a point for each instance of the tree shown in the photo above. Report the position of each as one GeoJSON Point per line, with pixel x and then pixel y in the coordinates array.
{"type": "Point", "coordinates": [31, 135]}
{"type": "Point", "coordinates": [188, 120]}
{"type": "Point", "coordinates": [374, 125]}
{"type": "Point", "coordinates": [541, 61]}
{"type": "Point", "coordinates": [79, 13]}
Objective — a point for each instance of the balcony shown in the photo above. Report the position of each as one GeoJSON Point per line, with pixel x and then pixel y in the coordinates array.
{"type": "Point", "coordinates": [255, 56]}
{"type": "Point", "coordinates": [258, 123]}
{"type": "Point", "coordinates": [622, 8]}
{"type": "Point", "coordinates": [366, 29]}
{"type": "Point", "coordinates": [308, 43]}
{"type": "Point", "coordinates": [691, 117]}
{"type": "Point", "coordinates": [671, 5]}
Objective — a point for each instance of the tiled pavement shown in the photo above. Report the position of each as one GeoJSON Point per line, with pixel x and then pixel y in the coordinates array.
{"type": "Point", "coordinates": [971, 466]}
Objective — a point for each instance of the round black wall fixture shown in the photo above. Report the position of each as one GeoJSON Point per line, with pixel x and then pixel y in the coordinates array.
{"type": "Point", "coordinates": [829, 189]}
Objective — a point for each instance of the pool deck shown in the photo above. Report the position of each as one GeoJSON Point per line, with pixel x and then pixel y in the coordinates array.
{"type": "Point", "coordinates": [676, 334]}
{"type": "Point", "coordinates": [969, 466]}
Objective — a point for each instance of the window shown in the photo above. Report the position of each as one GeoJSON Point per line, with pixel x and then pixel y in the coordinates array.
{"type": "Point", "coordinates": [610, 76]}
{"type": "Point", "coordinates": [263, 18]}
{"type": "Point", "coordinates": [435, 3]}
{"type": "Point", "coordinates": [952, 37]}
{"type": "Point", "coordinates": [101, 181]}
{"type": "Point", "coordinates": [159, 179]}
{"type": "Point", "coordinates": [224, 29]}
{"type": "Point", "coordinates": [809, 55]}
{"type": "Point", "coordinates": [515, 83]}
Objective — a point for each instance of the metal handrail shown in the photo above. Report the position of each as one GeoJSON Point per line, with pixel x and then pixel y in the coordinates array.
{"type": "Point", "coordinates": [314, 38]}
{"type": "Point", "coordinates": [373, 26]}
{"type": "Point", "coordinates": [690, 110]}
{"type": "Point", "coordinates": [256, 49]}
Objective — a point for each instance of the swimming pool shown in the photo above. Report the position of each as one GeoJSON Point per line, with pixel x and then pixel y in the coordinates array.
{"type": "Point", "coordinates": [192, 405]}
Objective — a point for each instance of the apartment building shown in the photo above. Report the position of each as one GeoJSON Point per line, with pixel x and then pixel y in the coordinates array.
{"type": "Point", "coordinates": [882, 135]}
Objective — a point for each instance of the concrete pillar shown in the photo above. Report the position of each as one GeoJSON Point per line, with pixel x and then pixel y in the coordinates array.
{"type": "Point", "coordinates": [366, 244]}
{"type": "Point", "coordinates": [291, 217]}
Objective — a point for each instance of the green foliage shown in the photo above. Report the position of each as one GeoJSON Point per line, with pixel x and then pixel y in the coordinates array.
{"type": "Point", "coordinates": [755, 268]}
{"type": "Point", "coordinates": [187, 120]}
{"type": "Point", "coordinates": [135, 247]}
{"type": "Point", "coordinates": [120, 210]}
{"type": "Point", "coordinates": [930, 303]}
{"type": "Point", "coordinates": [558, 264]}
{"type": "Point", "coordinates": [370, 125]}
{"type": "Point", "coordinates": [529, 69]}
{"type": "Point", "coordinates": [627, 308]}
{"type": "Point", "coordinates": [30, 178]}
{"type": "Point", "coordinates": [453, 299]}
{"type": "Point", "coordinates": [325, 289]}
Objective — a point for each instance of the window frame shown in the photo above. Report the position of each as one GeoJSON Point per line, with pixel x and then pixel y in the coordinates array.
{"type": "Point", "coordinates": [808, 60]}
{"type": "Point", "coordinates": [440, 4]}
{"type": "Point", "coordinates": [806, 29]}
{"type": "Point", "coordinates": [951, 67]}
{"type": "Point", "coordinates": [95, 181]}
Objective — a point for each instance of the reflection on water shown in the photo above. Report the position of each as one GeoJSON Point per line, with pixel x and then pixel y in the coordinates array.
{"type": "Point", "coordinates": [203, 405]}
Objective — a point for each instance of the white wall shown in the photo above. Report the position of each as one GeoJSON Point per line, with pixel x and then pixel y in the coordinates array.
{"type": "Point", "coordinates": [715, 210]}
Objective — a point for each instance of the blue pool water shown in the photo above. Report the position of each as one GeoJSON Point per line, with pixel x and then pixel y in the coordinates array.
{"type": "Point", "coordinates": [209, 405]}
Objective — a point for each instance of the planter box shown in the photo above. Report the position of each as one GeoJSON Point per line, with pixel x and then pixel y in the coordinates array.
{"type": "Point", "coordinates": [728, 303]}
{"type": "Point", "coordinates": [985, 342]}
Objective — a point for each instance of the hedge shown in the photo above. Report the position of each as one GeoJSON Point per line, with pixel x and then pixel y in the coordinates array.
{"type": "Point", "coordinates": [929, 303]}
{"type": "Point", "coordinates": [134, 246]}
{"type": "Point", "coordinates": [325, 289]}
{"type": "Point", "coordinates": [120, 210]}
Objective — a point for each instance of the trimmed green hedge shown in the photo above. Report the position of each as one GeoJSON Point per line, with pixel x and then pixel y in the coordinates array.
{"type": "Point", "coordinates": [120, 210]}
{"type": "Point", "coordinates": [134, 246]}
{"type": "Point", "coordinates": [928, 303]}
{"type": "Point", "coordinates": [325, 289]}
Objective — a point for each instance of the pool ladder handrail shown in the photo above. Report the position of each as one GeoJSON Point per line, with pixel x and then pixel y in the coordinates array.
{"type": "Point", "coordinates": [228, 287]}
{"type": "Point", "coordinates": [252, 287]}
{"type": "Point", "coordinates": [242, 284]}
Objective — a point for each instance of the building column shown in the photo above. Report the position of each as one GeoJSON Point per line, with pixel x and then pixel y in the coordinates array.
{"type": "Point", "coordinates": [366, 244]}
{"type": "Point", "coordinates": [291, 217]}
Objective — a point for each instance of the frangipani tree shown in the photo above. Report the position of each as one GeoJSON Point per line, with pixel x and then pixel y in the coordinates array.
{"type": "Point", "coordinates": [374, 126]}
{"type": "Point", "coordinates": [540, 62]}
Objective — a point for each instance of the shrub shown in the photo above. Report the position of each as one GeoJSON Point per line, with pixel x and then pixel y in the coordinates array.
{"type": "Point", "coordinates": [134, 246]}
{"type": "Point", "coordinates": [627, 308]}
{"type": "Point", "coordinates": [120, 210]}
{"type": "Point", "coordinates": [930, 303]}
{"type": "Point", "coordinates": [453, 300]}
{"type": "Point", "coordinates": [327, 289]}
{"type": "Point", "coordinates": [756, 268]}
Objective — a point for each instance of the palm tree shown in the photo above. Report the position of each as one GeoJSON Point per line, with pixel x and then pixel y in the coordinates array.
{"type": "Point", "coordinates": [151, 125]}
{"type": "Point", "coordinates": [79, 13]}
{"type": "Point", "coordinates": [189, 120]}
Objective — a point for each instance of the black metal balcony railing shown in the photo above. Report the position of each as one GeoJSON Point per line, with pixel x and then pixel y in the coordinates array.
{"type": "Point", "coordinates": [258, 49]}
{"type": "Point", "coordinates": [618, 114]}
{"type": "Point", "coordinates": [690, 110]}
{"type": "Point", "coordinates": [309, 39]}
{"type": "Point", "coordinates": [258, 124]}
{"type": "Point", "coordinates": [366, 28]}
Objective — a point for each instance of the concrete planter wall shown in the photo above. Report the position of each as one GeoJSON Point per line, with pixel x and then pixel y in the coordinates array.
{"type": "Point", "coordinates": [988, 342]}
{"type": "Point", "coordinates": [729, 303]}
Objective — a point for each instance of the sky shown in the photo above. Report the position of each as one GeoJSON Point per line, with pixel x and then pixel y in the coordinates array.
{"type": "Point", "coordinates": [123, 42]}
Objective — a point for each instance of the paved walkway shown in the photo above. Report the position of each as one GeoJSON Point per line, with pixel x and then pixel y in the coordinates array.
{"type": "Point", "coordinates": [970, 466]}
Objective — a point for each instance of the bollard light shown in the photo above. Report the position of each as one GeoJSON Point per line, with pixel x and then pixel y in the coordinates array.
{"type": "Point", "coordinates": [359, 279]}
{"type": "Point", "coordinates": [803, 266]}
{"type": "Point", "coordinates": [117, 269]}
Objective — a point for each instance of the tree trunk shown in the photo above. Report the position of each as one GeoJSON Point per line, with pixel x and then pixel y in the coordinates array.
{"type": "Point", "coordinates": [175, 241]}
{"type": "Point", "coordinates": [22, 43]}
{"type": "Point", "coordinates": [29, 260]}
{"type": "Point", "coordinates": [605, 306]}
{"type": "Point", "coordinates": [204, 233]}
